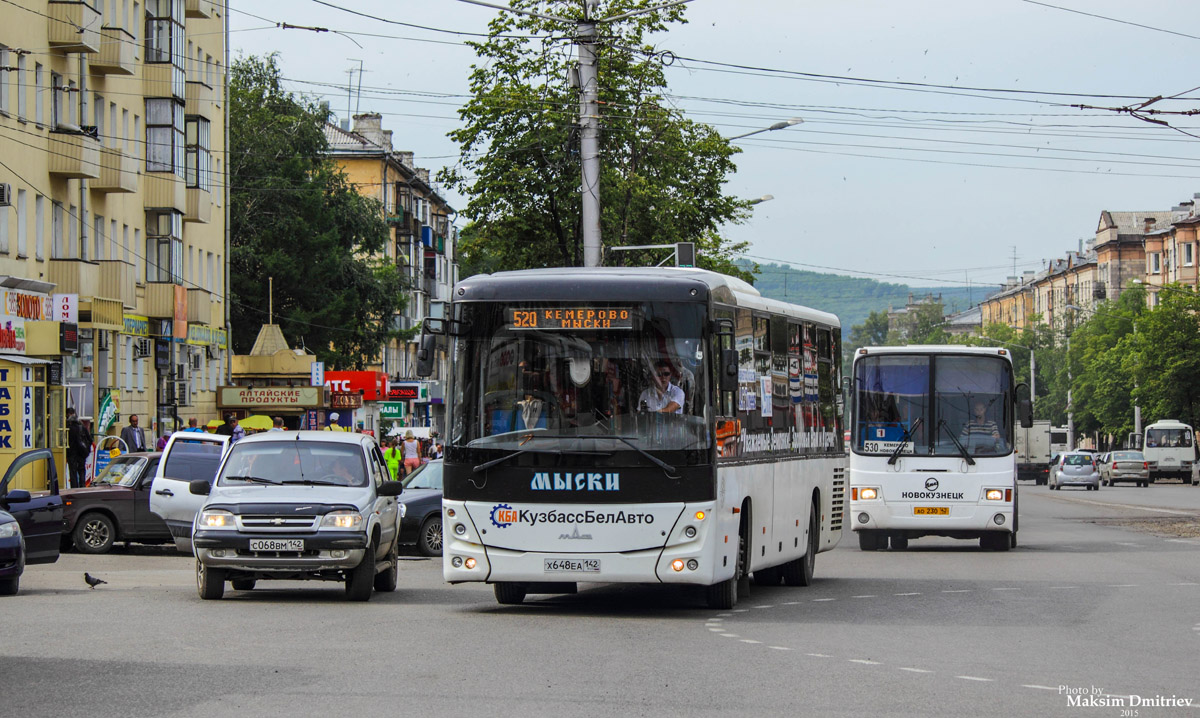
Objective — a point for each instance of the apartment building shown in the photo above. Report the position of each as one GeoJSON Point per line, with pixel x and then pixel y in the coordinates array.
{"type": "Point", "coordinates": [1171, 249]}
{"type": "Point", "coordinates": [422, 246]}
{"type": "Point", "coordinates": [112, 214]}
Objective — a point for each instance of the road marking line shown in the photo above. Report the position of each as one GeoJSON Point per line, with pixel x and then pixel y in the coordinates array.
{"type": "Point", "coordinates": [791, 603]}
{"type": "Point", "coordinates": [1186, 584]}
{"type": "Point", "coordinates": [818, 655]}
{"type": "Point", "coordinates": [915, 670]}
{"type": "Point", "coordinates": [1126, 506]}
{"type": "Point", "coordinates": [913, 593]}
{"type": "Point", "coordinates": [958, 590]}
{"type": "Point", "coordinates": [724, 614]}
{"type": "Point", "coordinates": [1052, 588]}
{"type": "Point", "coordinates": [864, 661]}
{"type": "Point", "coordinates": [717, 630]}
{"type": "Point", "coordinates": [740, 610]}
{"type": "Point", "coordinates": [865, 596]}
{"type": "Point", "coordinates": [1122, 585]}
{"type": "Point", "coordinates": [781, 648]}
{"type": "Point", "coordinates": [1037, 687]}
{"type": "Point", "coordinates": [764, 607]}
{"type": "Point", "coordinates": [1189, 542]}
{"type": "Point", "coordinates": [1127, 543]}
{"type": "Point", "coordinates": [824, 599]}
{"type": "Point", "coordinates": [729, 635]}
{"type": "Point", "coordinates": [750, 640]}
{"type": "Point", "coordinates": [1006, 589]}
{"type": "Point", "coordinates": [977, 678]}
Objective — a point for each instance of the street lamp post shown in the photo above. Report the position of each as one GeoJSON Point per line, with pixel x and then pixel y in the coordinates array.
{"type": "Point", "coordinates": [777, 126]}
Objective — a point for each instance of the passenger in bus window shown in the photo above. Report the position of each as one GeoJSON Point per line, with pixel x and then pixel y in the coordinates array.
{"type": "Point", "coordinates": [980, 431]}
{"type": "Point", "coordinates": [662, 395]}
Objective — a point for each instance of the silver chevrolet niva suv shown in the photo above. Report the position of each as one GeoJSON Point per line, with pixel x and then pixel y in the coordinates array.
{"type": "Point", "coordinates": [299, 505]}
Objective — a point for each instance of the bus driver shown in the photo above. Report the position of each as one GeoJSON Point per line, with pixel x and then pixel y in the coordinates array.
{"type": "Point", "coordinates": [662, 395]}
{"type": "Point", "coordinates": [980, 431]}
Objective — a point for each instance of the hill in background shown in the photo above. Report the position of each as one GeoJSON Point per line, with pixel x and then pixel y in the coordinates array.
{"type": "Point", "coordinates": [853, 298]}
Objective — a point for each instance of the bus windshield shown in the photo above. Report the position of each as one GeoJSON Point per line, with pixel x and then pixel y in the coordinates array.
{"type": "Point", "coordinates": [963, 404]}
{"type": "Point", "coordinates": [541, 376]}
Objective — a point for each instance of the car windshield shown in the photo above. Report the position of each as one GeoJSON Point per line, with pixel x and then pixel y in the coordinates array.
{"type": "Point", "coordinates": [428, 477]}
{"type": "Point", "coordinates": [542, 377]}
{"type": "Point", "coordinates": [1127, 456]}
{"type": "Point", "coordinates": [293, 461]}
{"type": "Point", "coordinates": [123, 471]}
{"type": "Point", "coordinates": [960, 401]}
{"type": "Point", "coordinates": [1169, 438]}
{"type": "Point", "coordinates": [1077, 460]}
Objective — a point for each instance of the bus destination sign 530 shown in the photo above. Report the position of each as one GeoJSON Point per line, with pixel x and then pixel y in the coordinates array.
{"type": "Point", "coordinates": [577, 317]}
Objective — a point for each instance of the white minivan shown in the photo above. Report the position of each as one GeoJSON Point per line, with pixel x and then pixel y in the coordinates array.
{"type": "Point", "coordinates": [188, 456]}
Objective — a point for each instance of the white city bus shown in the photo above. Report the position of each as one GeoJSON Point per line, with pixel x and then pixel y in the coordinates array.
{"type": "Point", "coordinates": [1170, 448]}
{"type": "Point", "coordinates": [932, 446]}
{"type": "Point", "coordinates": [565, 462]}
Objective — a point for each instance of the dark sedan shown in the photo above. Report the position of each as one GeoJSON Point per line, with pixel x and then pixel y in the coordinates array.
{"type": "Point", "coordinates": [116, 507]}
{"type": "Point", "coordinates": [422, 497]}
{"type": "Point", "coordinates": [38, 516]}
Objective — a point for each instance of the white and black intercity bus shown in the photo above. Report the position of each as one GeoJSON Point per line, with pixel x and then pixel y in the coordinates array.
{"type": "Point", "coordinates": [638, 425]}
{"type": "Point", "coordinates": [932, 445]}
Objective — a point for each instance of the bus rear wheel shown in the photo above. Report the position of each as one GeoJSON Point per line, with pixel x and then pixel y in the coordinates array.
{"type": "Point", "coordinates": [899, 542]}
{"type": "Point", "coordinates": [767, 576]}
{"type": "Point", "coordinates": [799, 572]}
{"type": "Point", "coordinates": [869, 540]}
{"type": "Point", "coordinates": [995, 541]}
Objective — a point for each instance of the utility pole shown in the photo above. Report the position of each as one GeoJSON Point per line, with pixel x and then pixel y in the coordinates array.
{"type": "Point", "coordinates": [589, 112]}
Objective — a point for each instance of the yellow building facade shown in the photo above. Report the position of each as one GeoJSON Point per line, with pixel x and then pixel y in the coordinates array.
{"type": "Point", "coordinates": [112, 214]}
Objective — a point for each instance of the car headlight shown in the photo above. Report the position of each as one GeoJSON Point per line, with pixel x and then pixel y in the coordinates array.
{"type": "Point", "coordinates": [345, 520]}
{"type": "Point", "coordinates": [216, 519]}
{"type": "Point", "coordinates": [10, 529]}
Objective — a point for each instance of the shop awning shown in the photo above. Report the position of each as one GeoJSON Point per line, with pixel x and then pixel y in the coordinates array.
{"type": "Point", "coordinates": [20, 359]}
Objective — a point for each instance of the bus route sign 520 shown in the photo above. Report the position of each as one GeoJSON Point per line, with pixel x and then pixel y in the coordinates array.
{"type": "Point", "coordinates": [575, 317]}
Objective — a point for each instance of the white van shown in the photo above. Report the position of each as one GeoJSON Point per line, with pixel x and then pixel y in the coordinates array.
{"type": "Point", "coordinates": [1170, 449]}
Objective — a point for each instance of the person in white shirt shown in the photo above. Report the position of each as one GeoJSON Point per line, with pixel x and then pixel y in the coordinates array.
{"type": "Point", "coordinates": [662, 396]}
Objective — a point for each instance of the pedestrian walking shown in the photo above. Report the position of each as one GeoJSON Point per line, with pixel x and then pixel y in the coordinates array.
{"type": "Point", "coordinates": [277, 424]}
{"type": "Point", "coordinates": [132, 435]}
{"type": "Point", "coordinates": [332, 423]}
{"type": "Point", "coordinates": [412, 453]}
{"type": "Point", "coordinates": [393, 458]}
{"type": "Point", "coordinates": [79, 446]}
{"type": "Point", "coordinates": [192, 426]}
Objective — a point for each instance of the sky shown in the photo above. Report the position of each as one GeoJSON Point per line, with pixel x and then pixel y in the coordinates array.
{"type": "Point", "coordinates": [938, 145]}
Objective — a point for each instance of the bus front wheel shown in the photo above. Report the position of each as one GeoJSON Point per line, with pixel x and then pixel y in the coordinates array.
{"type": "Point", "coordinates": [799, 572]}
{"type": "Point", "coordinates": [724, 595]}
{"type": "Point", "coordinates": [508, 593]}
{"type": "Point", "coordinates": [869, 540]}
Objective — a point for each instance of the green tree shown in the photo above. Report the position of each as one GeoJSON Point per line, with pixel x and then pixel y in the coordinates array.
{"type": "Point", "coordinates": [662, 176]}
{"type": "Point", "coordinates": [294, 217]}
{"type": "Point", "coordinates": [1166, 357]}
{"type": "Point", "coordinates": [873, 332]}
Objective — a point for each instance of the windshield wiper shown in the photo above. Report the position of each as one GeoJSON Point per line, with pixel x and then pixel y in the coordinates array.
{"type": "Point", "coordinates": [502, 459]}
{"type": "Point", "coordinates": [904, 440]}
{"type": "Point", "coordinates": [518, 452]}
{"type": "Point", "coordinates": [312, 482]}
{"type": "Point", "coordinates": [657, 461]}
{"type": "Point", "coordinates": [961, 449]}
{"type": "Point", "coordinates": [255, 479]}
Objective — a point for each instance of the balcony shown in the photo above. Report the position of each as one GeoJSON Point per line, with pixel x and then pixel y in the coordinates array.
{"type": "Point", "coordinates": [164, 190]}
{"type": "Point", "coordinates": [73, 276]}
{"type": "Point", "coordinates": [199, 206]}
{"type": "Point", "coordinates": [118, 281]}
{"type": "Point", "coordinates": [199, 306]}
{"type": "Point", "coordinates": [158, 79]}
{"type": "Point", "coordinates": [74, 155]}
{"type": "Point", "coordinates": [200, 99]}
{"type": "Point", "coordinates": [118, 171]}
{"type": "Point", "coordinates": [199, 8]}
{"type": "Point", "coordinates": [118, 53]}
{"type": "Point", "coordinates": [74, 26]}
{"type": "Point", "coordinates": [160, 299]}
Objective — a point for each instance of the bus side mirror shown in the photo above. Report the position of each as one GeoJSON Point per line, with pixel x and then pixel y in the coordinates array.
{"type": "Point", "coordinates": [425, 355]}
{"type": "Point", "coordinates": [729, 370]}
{"type": "Point", "coordinates": [1025, 413]}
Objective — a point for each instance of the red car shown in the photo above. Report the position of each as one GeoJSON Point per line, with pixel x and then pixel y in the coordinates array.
{"type": "Point", "coordinates": [116, 507]}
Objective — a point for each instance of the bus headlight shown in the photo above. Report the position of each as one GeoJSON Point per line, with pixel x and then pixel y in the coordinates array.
{"type": "Point", "coordinates": [995, 495]}
{"type": "Point", "coordinates": [677, 564]}
{"type": "Point", "coordinates": [868, 494]}
{"type": "Point", "coordinates": [690, 532]}
{"type": "Point", "coordinates": [999, 519]}
{"type": "Point", "coordinates": [456, 562]}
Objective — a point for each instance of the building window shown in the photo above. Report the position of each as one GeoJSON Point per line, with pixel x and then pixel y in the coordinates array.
{"type": "Point", "coordinates": [1155, 262]}
{"type": "Point", "coordinates": [199, 160]}
{"type": "Point", "coordinates": [22, 224]}
{"type": "Point", "coordinates": [165, 42]}
{"type": "Point", "coordinates": [4, 80]}
{"type": "Point", "coordinates": [164, 136]}
{"type": "Point", "coordinates": [56, 230]}
{"type": "Point", "coordinates": [39, 102]}
{"type": "Point", "coordinates": [164, 247]}
{"type": "Point", "coordinates": [22, 86]}
{"type": "Point", "coordinates": [1188, 258]}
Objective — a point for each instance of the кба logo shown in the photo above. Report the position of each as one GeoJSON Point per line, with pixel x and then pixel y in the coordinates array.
{"type": "Point", "coordinates": [503, 516]}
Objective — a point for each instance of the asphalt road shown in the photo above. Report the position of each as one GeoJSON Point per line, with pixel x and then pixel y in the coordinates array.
{"type": "Point", "coordinates": [942, 629]}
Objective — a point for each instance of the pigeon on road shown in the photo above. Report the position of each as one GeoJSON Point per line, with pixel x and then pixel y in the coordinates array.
{"type": "Point", "coordinates": [92, 581]}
